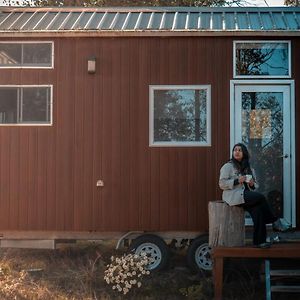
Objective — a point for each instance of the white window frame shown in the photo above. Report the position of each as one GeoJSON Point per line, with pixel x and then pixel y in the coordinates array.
{"type": "Point", "coordinates": [152, 143]}
{"type": "Point", "coordinates": [51, 105]}
{"type": "Point", "coordinates": [261, 76]}
{"type": "Point", "coordinates": [30, 67]}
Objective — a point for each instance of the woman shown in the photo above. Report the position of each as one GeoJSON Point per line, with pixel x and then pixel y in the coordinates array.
{"type": "Point", "coordinates": [238, 182]}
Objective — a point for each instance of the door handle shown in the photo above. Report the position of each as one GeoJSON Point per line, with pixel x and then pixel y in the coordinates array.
{"type": "Point", "coordinates": [283, 156]}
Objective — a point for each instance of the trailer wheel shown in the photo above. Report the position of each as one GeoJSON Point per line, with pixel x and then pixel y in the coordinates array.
{"type": "Point", "coordinates": [155, 247]}
{"type": "Point", "coordinates": [199, 254]}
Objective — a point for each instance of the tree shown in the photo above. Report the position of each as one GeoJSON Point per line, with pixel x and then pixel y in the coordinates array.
{"type": "Point", "coordinates": [100, 3]}
{"type": "Point", "coordinates": [180, 115]}
{"type": "Point", "coordinates": [291, 2]}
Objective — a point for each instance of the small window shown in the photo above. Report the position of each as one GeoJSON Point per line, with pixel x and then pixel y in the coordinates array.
{"type": "Point", "coordinates": [267, 59]}
{"type": "Point", "coordinates": [26, 55]}
{"type": "Point", "coordinates": [26, 105]}
{"type": "Point", "coordinates": [180, 115]}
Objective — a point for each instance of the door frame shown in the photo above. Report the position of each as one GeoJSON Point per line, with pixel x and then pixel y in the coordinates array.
{"type": "Point", "coordinates": [291, 84]}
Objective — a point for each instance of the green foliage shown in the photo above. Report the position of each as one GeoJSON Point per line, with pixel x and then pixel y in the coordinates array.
{"type": "Point", "coordinates": [291, 2]}
{"type": "Point", "coordinates": [100, 3]}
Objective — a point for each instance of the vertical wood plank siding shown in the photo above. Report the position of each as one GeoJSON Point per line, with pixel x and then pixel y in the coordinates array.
{"type": "Point", "coordinates": [100, 130]}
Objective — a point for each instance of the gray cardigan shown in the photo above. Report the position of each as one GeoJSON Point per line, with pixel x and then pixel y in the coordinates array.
{"type": "Point", "coordinates": [232, 194]}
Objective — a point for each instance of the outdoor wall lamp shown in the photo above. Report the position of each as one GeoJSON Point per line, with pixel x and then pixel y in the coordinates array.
{"type": "Point", "coordinates": [92, 65]}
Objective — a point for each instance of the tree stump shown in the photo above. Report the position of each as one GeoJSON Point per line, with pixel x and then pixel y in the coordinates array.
{"type": "Point", "coordinates": [226, 224]}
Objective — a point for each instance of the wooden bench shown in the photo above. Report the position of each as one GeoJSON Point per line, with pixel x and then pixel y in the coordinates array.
{"type": "Point", "coordinates": [287, 250]}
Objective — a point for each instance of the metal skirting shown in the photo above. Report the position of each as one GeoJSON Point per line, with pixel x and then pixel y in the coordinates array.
{"type": "Point", "coordinates": [30, 244]}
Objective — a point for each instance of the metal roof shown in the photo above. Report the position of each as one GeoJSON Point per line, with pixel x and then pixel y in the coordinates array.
{"type": "Point", "coordinates": [159, 19]}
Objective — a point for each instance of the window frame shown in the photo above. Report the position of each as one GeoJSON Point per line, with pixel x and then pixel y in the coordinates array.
{"type": "Point", "coordinates": [31, 86]}
{"type": "Point", "coordinates": [30, 67]}
{"type": "Point", "coordinates": [152, 143]}
{"type": "Point", "coordinates": [288, 42]}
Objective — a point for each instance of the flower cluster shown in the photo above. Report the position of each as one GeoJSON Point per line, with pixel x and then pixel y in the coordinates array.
{"type": "Point", "coordinates": [127, 271]}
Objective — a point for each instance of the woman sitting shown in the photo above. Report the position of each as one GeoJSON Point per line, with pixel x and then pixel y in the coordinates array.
{"type": "Point", "coordinates": [238, 182]}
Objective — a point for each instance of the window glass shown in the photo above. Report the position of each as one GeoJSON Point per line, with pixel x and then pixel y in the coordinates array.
{"type": "Point", "coordinates": [26, 54]}
{"type": "Point", "coordinates": [35, 105]}
{"type": "Point", "coordinates": [25, 105]}
{"type": "Point", "coordinates": [262, 59]}
{"type": "Point", "coordinates": [10, 54]}
{"type": "Point", "coordinates": [37, 54]}
{"type": "Point", "coordinates": [180, 116]}
{"type": "Point", "coordinates": [8, 105]}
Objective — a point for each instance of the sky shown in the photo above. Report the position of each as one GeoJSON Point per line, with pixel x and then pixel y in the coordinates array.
{"type": "Point", "coordinates": [270, 2]}
{"type": "Point", "coordinates": [251, 2]}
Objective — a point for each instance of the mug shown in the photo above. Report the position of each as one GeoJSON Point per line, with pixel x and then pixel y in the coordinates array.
{"type": "Point", "coordinates": [248, 178]}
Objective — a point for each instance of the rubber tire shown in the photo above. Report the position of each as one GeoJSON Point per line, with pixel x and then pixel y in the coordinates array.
{"type": "Point", "coordinates": [158, 245]}
{"type": "Point", "coordinates": [198, 249]}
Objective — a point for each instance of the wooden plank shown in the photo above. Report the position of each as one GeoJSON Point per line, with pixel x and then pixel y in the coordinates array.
{"type": "Point", "coordinates": [88, 182]}
{"type": "Point", "coordinates": [24, 178]}
{"type": "Point", "coordinates": [42, 150]}
{"type": "Point", "coordinates": [14, 178]}
{"type": "Point", "coordinates": [65, 135]}
{"type": "Point", "coordinates": [109, 215]}
{"type": "Point", "coordinates": [286, 288]}
{"type": "Point", "coordinates": [280, 250]}
{"type": "Point", "coordinates": [114, 147]}
{"type": "Point", "coordinates": [125, 131]}
{"type": "Point", "coordinates": [289, 273]}
{"type": "Point", "coordinates": [97, 87]}
{"type": "Point", "coordinates": [154, 65]}
{"type": "Point", "coordinates": [143, 134]}
{"type": "Point", "coordinates": [181, 182]}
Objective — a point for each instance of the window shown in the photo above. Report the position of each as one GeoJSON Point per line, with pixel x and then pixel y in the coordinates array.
{"type": "Point", "coordinates": [267, 59]}
{"type": "Point", "coordinates": [25, 105]}
{"type": "Point", "coordinates": [26, 55]}
{"type": "Point", "coordinates": [180, 115]}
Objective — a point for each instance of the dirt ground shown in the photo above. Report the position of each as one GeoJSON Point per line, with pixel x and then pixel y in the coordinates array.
{"type": "Point", "coordinates": [77, 271]}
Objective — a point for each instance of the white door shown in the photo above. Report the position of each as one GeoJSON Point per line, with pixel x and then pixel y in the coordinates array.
{"type": "Point", "coordinates": [263, 120]}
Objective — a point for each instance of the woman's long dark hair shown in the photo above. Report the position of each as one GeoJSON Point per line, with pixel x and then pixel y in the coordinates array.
{"type": "Point", "coordinates": [244, 166]}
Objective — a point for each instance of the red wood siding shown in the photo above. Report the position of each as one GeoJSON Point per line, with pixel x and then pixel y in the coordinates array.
{"type": "Point", "coordinates": [100, 130]}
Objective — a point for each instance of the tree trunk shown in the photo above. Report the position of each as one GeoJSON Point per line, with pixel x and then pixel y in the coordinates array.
{"type": "Point", "coordinates": [226, 225]}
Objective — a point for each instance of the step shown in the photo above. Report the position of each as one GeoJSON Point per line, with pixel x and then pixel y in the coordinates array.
{"type": "Point", "coordinates": [286, 288]}
{"type": "Point", "coordinates": [289, 273]}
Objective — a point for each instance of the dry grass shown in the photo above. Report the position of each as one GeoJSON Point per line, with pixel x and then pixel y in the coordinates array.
{"type": "Point", "coordinates": [76, 272]}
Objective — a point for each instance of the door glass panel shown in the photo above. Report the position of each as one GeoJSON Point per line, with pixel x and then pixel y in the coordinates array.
{"type": "Point", "coordinates": [262, 132]}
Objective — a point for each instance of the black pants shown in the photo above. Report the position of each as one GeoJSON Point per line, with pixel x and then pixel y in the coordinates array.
{"type": "Point", "coordinates": [261, 214]}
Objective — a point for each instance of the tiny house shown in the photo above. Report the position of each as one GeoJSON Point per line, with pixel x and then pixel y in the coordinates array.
{"type": "Point", "coordinates": [114, 122]}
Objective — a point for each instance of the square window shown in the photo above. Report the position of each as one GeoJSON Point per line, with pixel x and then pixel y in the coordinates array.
{"type": "Point", "coordinates": [257, 59]}
{"type": "Point", "coordinates": [25, 105]}
{"type": "Point", "coordinates": [180, 115]}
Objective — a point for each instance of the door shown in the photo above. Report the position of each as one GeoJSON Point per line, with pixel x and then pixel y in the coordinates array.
{"type": "Point", "coordinates": [262, 120]}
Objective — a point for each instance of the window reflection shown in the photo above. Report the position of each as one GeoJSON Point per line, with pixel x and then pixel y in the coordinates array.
{"type": "Point", "coordinates": [262, 132]}
{"type": "Point", "coordinates": [262, 59]}
{"type": "Point", "coordinates": [180, 115]}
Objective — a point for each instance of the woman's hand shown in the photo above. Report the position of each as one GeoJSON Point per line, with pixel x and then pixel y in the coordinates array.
{"type": "Point", "coordinates": [251, 183]}
{"type": "Point", "coordinates": [242, 179]}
